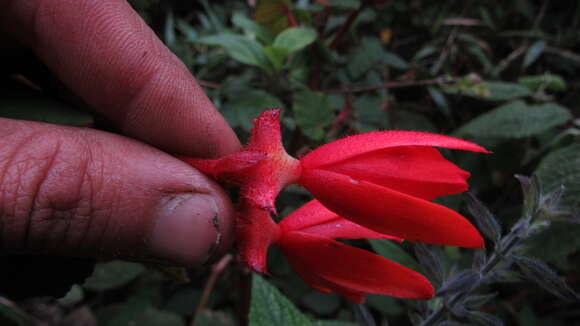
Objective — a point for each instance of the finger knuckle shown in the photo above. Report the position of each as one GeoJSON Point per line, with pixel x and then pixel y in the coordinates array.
{"type": "Point", "coordinates": [48, 186]}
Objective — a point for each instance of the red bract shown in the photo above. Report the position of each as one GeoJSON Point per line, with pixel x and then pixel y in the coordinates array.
{"type": "Point", "coordinates": [382, 180]}
{"type": "Point", "coordinates": [262, 168]}
{"type": "Point", "coordinates": [306, 237]}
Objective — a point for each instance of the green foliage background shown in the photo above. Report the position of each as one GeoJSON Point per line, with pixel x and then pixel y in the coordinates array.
{"type": "Point", "coordinates": [503, 74]}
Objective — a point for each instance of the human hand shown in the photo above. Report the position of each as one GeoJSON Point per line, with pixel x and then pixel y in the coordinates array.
{"type": "Point", "coordinates": [84, 192]}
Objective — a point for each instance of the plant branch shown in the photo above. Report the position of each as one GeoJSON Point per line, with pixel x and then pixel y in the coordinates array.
{"type": "Point", "coordinates": [392, 84]}
{"type": "Point", "coordinates": [495, 259]}
{"type": "Point", "coordinates": [345, 27]}
{"type": "Point", "coordinates": [208, 84]}
{"type": "Point", "coordinates": [216, 271]}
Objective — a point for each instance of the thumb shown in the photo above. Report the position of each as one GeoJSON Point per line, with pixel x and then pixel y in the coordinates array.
{"type": "Point", "coordinates": [82, 192]}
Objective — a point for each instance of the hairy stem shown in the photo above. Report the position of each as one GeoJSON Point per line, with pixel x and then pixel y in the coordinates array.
{"type": "Point", "coordinates": [495, 259]}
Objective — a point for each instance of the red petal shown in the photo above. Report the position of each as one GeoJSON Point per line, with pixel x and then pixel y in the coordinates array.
{"type": "Point", "coordinates": [321, 284]}
{"type": "Point", "coordinates": [227, 168]}
{"type": "Point", "coordinates": [390, 212]}
{"type": "Point", "coordinates": [417, 171]}
{"type": "Point", "coordinates": [314, 218]}
{"type": "Point", "coordinates": [354, 269]}
{"type": "Point", "coordinates": [359, 144]}
{"type": "Point", "coordinates": [255, 232]}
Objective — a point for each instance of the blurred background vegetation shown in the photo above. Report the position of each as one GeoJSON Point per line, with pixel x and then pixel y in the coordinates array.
{"type": "Point", "coordinates": [500, 73]}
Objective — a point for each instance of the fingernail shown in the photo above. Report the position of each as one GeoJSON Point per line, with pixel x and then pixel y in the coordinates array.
{"type": "Point", "coordinates": [187, 230]}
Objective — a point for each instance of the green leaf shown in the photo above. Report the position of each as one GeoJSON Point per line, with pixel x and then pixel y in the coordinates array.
{"type": "Point", "coordinates": [562, 167]}
{"type": "Point", "coordinates": [385, 304]}
{"type": "Point", "coordinates": [155, 317]}
{"type": "Point", "coordinates": [333, 323]}
{"type": "Point", "coordinates": [321, 303]}
{"type": "Point", "coordinates": [252, 28]}
{"type": "Point", "coordinates": [365, 56]}
{"type": "Point", "coordinates": [555, 243]}
{"type": "Point", "coordinates": [73, 296]}
{"type": "Point", "coordinates": [21, 103]}
{"type": "Point", "coordinates": [240, 48]}
{"type": "Point", "coordinates": [269, 307]}
{"type": "Point", "coordinates": [213, 318]}
{"type": "Point", "coordinates": [393, 251]}
{"type": "Point", "coordinates": [517, 120]}
{"type": "Point", "coordinates": [244, 108]}
{"type": "Point", "coordinates": [490, 91]}
{"type": "Point", "coordinates": [11, 317]}
{"type": "Point", "coordinates": [546, 81]}
{"type": "Point", "coordinates": [394, 60]}
{"type": "Point", "coordinates": [500, 91]}
{"type": "Point", "coordinates": [112, 275]}
{"type": "Point", "coordinates": [313, 113]}
{"type": "Point", "coordinates": [534, 52]}
{"type": "Point", "coordinates": [295, 38]}
{"type": "Point", "coordinates": [276, 56]}
{"type": "Point", "coordinates": [345, 4]}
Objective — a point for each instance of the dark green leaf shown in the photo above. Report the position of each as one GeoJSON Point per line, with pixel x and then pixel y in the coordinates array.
{"type": "Point", "coordinates": [385, 304]}
{"type": "Point", "coordinates": [313, 113]}
{"type": "Point", "coordinates": [333, 323]}
{"type": "Point", "coordinates": [490, 91]}
{"type": "Point", "coordinates": [517, 120]}
{"type": "Point", "coordinates": [295, 38]}
{"type": "Point", "coordinates": [242, 109]}
{"type": "Point", "coordinates": [240, 48]}
{"type": "Point", "coordinates": [269, 307]}
{"type": "Point", "coordinates": [555, 243]}
{"type": "Point", "coordinates": [394, 60]}
{"type": "Point", "coordinates": [534, 52]}
{"type": "Point", "coordinates": [156, 317]}
{"type": "Point", "coordinates": [393, 251]}
{"type": "Point", "coordinates": [345, 4]}
{"type": "Point", "coordinates": [276, 56]}
{"type": "Point", "coordinates": [73, 296]}
{"type": "Point", "coordinates": [365, 56]}
{"type": "Point", "coordinates": [562, 167]}
{"type": "Point", "coordinates": [252, 28]}
{"type": "Point", "coordinates": [321, 303]}
{"type": "Point", "coordinates": [485, 319]}
{"type": "Point", "coordinates": [546, 81]}
{"type": "Point", "coordinates": [27, 104]}
{"type": "Point", "coordinates": [213, 318]}
{"type": "Point", "coordinates": [112, 275]}
{"type": "Point", "coordinates": [538, 272]}
{"type": "Point", "coordinates": [10, 316]}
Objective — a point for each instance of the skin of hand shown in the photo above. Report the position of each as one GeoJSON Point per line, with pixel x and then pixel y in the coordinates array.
{"type": "Point", "coordinates": [87, 193]}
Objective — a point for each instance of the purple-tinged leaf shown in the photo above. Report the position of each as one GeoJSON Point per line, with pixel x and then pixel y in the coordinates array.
{"type": "Point", "coordinates": [537, 271]}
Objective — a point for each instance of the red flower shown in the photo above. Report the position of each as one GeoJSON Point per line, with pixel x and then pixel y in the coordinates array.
{"type": "Point", "coordinates": [382, 180]}
{"type": "Point", "coordinates": [306, 237]}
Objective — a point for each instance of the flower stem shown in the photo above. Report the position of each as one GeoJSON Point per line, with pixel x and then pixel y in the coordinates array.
{"type": "Point", "coordinates": [488, 267]}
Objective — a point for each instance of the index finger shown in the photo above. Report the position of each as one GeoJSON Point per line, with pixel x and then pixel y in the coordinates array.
{"type": "Point", "coordinates": [106, 54]}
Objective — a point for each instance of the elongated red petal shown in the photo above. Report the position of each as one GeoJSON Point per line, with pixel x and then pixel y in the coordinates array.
{"type": "Point", "coordinates": [417, 171]}
{"type": "Point", "coordinates": [321, 284]}
{"type": "Point", "coordinates": [359, 144]}
{"type": "Point", "coordinates": [316, 219]}
{"type": "Point", "coordinates": [255, 232]}
{"type": "Point", "coordinates": [354, 269]}
{"type": "Point", "coordinates": [390, 212]}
